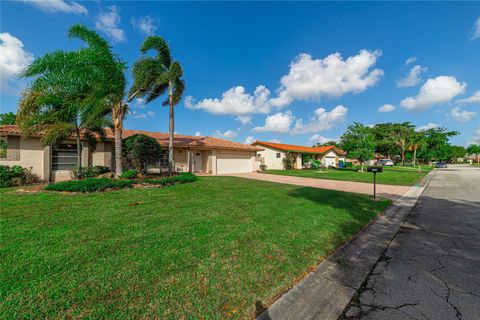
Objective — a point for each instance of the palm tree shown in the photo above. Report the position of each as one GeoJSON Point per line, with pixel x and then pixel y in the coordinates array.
{"type": "Point", "coordinates": [63, 99]}
{"type": "Point", "coordinates": [417, 139]}
{"type": "Point", "coordinates": [110, 72]}
{"type": "Point", "coordinates": [155, 76]}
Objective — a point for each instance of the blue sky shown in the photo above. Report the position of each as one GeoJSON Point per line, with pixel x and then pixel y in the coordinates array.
{"type": "Point", "coordinates": [290, 72]}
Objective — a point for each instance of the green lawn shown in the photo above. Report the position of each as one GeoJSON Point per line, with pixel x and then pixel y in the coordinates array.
{"type": "Point", "coordinates": [216, 248]}
{"type": "Point", "coordinates": [405, 176]}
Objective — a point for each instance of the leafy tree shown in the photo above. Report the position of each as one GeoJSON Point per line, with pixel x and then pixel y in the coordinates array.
{"type": "Point", "coordinates": [155, 76]}
{"type": "Point", "coordinates": [359, 143]}
{"type": "Point", "coordinates": [384, 144]}
{"type": "Point", "coordinates": [63, 99]}
{"type": "Point", "coordinates": [139, 151]}
{"type": "Point", "coordinates": [328, 143]}
{"type": "Point", "coordinates": [456, 152]}
{"type": "Point", "coordinates": [474, 149]}
{"type": "Point", "coordinates": [111, 82]}
{"type": "Point", "coordinates": [436, 146]}
{"type": "Point", "coordinates": [8, 118]}
{"type": "Point", "coordinates": [417, 140]}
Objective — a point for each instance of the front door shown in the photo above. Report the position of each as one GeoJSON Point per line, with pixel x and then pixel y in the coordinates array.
{"type": "Point", "coordinates": [197, 163]}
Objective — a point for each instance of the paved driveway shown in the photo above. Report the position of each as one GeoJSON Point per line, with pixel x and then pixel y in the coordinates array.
{"type": "Point", "coordinates": [431, 270]}
{"type": "Point", "coordinates": [387, 191]}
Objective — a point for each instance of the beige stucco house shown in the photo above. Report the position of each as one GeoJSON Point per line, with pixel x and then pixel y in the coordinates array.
{"type": "Point", "coordinates": [207, 155]}
{"type": "Point", "coordinates": [273, 155]}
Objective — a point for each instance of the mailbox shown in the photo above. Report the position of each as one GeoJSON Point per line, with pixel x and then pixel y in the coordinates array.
{"type": "Point", "coordinates": [374, 169]}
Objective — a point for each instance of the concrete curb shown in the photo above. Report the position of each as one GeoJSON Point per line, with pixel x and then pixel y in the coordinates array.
{"type": "Point", "coordinates": [326, 291]}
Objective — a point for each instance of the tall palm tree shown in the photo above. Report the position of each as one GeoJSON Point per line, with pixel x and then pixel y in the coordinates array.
{"type": "Point", "coordinates": [155, 76]}
{"type": "Point", "coordinates": [110, 72]}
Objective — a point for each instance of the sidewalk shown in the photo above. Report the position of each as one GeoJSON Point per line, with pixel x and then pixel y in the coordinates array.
{"type": "Point", "coordinates": [386, 191]}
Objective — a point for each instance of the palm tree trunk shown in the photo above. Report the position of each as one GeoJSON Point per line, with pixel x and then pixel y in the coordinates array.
{"type": "Point", "coordinates": [170, 130]}
{"type": "Point", "coordinates": [414, 156]}
{"type": "Point", "coordinates": [79, 156]}
{"type": "Point", "coordinates": [118, 151]}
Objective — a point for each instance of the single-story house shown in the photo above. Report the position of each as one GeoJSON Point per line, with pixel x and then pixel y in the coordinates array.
{"type": "Point", "coordinates": [273, 154]}
{"type": "Point", "coordinates": [208, 155]}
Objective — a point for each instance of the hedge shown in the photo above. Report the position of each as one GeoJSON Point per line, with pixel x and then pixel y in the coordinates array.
{"type": "Point", "coordinates": [185, 177]}
{"type": "Point", "coordinates": [89, 185]}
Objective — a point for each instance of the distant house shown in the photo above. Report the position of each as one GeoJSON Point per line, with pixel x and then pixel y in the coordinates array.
{"type": "Point", "coordinates": [193, 154]}
{"type": "Point", "coordinates": [274, 153]}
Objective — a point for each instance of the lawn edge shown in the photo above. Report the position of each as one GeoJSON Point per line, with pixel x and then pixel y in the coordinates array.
{"type": "Point", "coordinates": [326, 291]}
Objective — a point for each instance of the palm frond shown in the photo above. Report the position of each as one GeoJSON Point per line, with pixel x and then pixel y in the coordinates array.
{"type": "Point", "coordinates": [160, 45]}
{"type": "Point", "coordinates": [57, 132]}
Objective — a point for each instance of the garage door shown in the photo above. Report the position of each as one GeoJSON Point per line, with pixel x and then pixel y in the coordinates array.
{"type": "Point", "coordinates": [233, 163]}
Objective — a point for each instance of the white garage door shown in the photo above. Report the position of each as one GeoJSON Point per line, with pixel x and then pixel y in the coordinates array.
{"type": "Point", "coordinates": [234, 163]}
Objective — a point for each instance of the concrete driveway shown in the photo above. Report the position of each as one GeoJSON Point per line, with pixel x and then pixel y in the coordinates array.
{"type": "Point", "coordinates": [431, 269]}
{"type": "Point", "coordinates": [387, 191]}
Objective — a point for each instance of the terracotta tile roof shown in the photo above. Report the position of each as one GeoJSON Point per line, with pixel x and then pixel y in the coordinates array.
{"type": "Point", "coordinates": [179, 139]}
{"type": "Point", "coordinates": [300, 149]}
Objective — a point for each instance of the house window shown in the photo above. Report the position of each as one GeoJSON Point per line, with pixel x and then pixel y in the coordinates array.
{"type": "Point", "coordinates": [164, 158]}
{"type": "Point", "coordinates": [3, 147]}
{"type": "Point", "coordinates": [279, 155]}
{"type": "Point", "coordinates": [64, 156]}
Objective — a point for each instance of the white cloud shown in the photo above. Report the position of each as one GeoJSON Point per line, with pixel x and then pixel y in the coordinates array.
{"type": "Point", "coordinates": [462, 115]}
{"type": "Point", "coordinates": [413, 77]}
{"type": "Point", "coordinates": [139, 103]}
{"type": "Point", "coordinates": [434, 91]}
{"type": "Point", "coordinates": [386, 108]}
{"type": "Point", "coordinates": [147, 25]}
{"type": "Point", "coordinates": [279, 122]}
{"type": "Point", "coordinates": [316, 138]}
{"type": "Point", "coordinates": [13, 59]}
{"type": "Point", "coordinates": [275, 140]}
{"type": "Point", "coordinates": [475, 139]}
{"type": "Point", "coordinates": [322, 120]}
{"type": "Point", "coordinates": [244, 119]}
{"type": "Point", "coordinates": [332, 76]}
{"type": "Point", "coordinates": [198, 134]}
{"type": "Point", "coordinates": [142, 115]}
{"type": "Point", "coordinates": [475, 98]}
{"type": "Point", "coordinates": [58, 6]}
{"type": "Point", "coordinates": [108, 22]}
{"type": "Point", "coordinates": [410, 60]}
{"type": "Point", "coordinates": [249, 140]}
{"type": "Point", "coordinates": [235, 101]}
{"type": "Point", "coordinates": [476, 29]}
{"type": "Point", "coordinates": [429, 125]}
{"type": "Point", "coordinates": [229, 134]}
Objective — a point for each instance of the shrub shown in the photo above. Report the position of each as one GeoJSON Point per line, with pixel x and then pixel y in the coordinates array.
{"type": "Point", "coordinates": [185, 177]}
{"type": "Point", "coordinates": [263, 167]}
{"type": "Point", "coordinates": [89, 185]}
{"type": "Point", "coordinates": [129, 174]}
{"type": "Point", "coordinates": [16, 176]}
{"type": "Point", "coordinates": [139, 151]}
{"type": "Point", "coordinates": [90, 171]}
{"type": "Point", "coordinates": [348, 164]}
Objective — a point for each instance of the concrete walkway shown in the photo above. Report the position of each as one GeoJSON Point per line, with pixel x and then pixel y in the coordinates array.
{"type": "Point", "coordinates": [387, 191]}
{"type": "Point", "coordinates": [431, 269]}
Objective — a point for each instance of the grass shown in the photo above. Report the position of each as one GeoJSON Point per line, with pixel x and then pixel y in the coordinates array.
{"type": "Point", "coordinates": [217, 248]}
{"type": "Point", "coordinates": [405, 176]}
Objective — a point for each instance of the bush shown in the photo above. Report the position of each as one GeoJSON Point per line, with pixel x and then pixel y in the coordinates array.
{"type": "Point", "coordinates": [263, 167]}
{"type": "Point", "coordinates": [129, 174]}
{"type": "Point", "coordinates": [185, 177]}
{"type": "Point", "coordinates": [90, 171]}
{"type": "Point", "coordinates": [16, 176]}
{"type": "Point", "coordinates": [139, 151]}
{"type": "Point", "coordinates": [348, 164]}
{"type": "Point", "coordinates": [89, 185]}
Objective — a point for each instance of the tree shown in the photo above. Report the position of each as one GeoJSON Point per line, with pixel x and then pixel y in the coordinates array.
{"type": "Point", "coordinates": [139, 151]}
{"type": "Point", "coordinates": [384, 144]}
{"type": "Point", "coordinates": [111, 83]}
{"type": "Point", "coordinates": [8, 118]}
{"type": "Point", "coordinates": [328, 143]}
{"type": "Point", "coordinates": [63, 99]}
{"type": "Point", "coordinates": [358, 141]}
{"type": "Point", "coordinates": [155, 76]}
{"type": "Point", "coordinates": [436, 144]}
{"type": "Point", "coordinates": [417, 140]}
{"type": "Point", "coordinates": [474, 149]}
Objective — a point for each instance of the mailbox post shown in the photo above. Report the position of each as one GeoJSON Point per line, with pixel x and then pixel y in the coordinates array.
{"type": "Point", "coordinates": [374, 169]}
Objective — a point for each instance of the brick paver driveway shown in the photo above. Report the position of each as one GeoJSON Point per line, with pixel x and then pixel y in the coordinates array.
{"type": "Point", "coordinates": [387, 191]}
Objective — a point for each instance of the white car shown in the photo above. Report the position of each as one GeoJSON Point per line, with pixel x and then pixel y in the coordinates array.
{"type": "Point", "coordinates": [386, 162]}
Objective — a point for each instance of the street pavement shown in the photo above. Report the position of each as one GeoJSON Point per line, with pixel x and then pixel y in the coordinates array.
{"type": "Point", "coordinates": [431, 269]}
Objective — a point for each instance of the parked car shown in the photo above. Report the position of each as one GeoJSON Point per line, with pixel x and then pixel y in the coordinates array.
{"type": "Point", "coordinates": [385, 163]}
{"type": "Point", "coordinates": [440, 165]}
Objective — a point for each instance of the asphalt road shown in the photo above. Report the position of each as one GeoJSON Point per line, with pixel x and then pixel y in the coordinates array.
{"type": "Point", "coordinates": [431, 270]}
